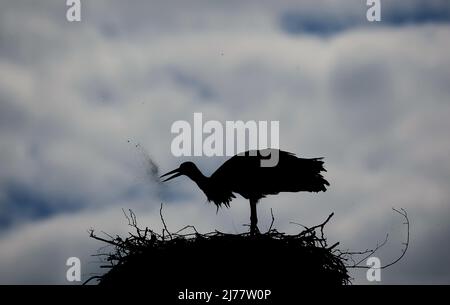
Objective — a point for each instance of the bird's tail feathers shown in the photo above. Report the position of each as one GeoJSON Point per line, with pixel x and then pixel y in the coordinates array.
{"type": "Point", "coordinates": [314, 167]}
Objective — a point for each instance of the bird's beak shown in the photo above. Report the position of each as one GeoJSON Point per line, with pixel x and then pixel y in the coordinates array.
{"type": "Point", "coordinates": [175, 171]}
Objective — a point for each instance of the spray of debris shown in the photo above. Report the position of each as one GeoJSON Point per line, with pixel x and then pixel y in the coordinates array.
{"type": "Point", "coordinates": [150, 167]}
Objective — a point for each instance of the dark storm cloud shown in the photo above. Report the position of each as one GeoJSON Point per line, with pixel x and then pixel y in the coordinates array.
{"type": "Point", "coordinates": [419, 13]}
{"type": "Point", "coordinates": [326, 19]}
{"type": "Point", "coordinates": [21, 204]}
{"type": "Point", "coordinates": [298, 23]}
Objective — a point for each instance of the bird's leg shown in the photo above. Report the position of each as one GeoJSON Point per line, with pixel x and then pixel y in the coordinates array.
{"type": "Point", "coordinates": [253, 218]}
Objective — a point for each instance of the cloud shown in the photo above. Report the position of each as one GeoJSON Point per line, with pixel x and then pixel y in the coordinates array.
{"type": "Point", "coordinates": [76, 99]}
{"type": "Point", "coordinates": [328, 18]}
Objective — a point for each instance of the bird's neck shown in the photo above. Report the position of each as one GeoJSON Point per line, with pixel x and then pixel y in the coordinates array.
{"type": "Point", "coordinates": [217, 193]}
{"type": "Point", "coordinates": [201, 180]}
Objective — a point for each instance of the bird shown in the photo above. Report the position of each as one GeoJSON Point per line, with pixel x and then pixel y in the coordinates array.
{"type": "Point", "coordinates": [243, 174]}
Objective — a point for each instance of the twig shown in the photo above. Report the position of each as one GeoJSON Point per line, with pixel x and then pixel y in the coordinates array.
{"type": "Point", "coordinates": [404, 214]}
{"type": "Point", "coordinates": [92, 278]}
{"type": "Point", "coordinates": [187, 227]}
{"type": "Point", "coordinates": [370, 252]}
{"type": "Point", "coordinates": [273, 219]}
{"type": "Point", "coordinates": [299, 224]}
{"type": "Point", "coordinates": [126, 216]}
{"type": "Point", "coordinates": [164, 223]}
{"type": "Point", "coordinates": [333, 246]}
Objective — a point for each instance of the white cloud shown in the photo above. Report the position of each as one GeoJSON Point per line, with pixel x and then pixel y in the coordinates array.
{"type": "Point", "coordinates": [373, 101]}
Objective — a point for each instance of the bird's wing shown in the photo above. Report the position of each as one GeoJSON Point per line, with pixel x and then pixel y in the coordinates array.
{"type": "Point", "coordinates": [245, 175]}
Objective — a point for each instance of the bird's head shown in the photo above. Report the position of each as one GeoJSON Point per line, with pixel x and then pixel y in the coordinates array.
{"type": "Point", "coordinates": [187, 168]}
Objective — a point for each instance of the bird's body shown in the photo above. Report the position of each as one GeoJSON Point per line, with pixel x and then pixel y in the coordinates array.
{"type": "Point", "coordinates": [244, 175]}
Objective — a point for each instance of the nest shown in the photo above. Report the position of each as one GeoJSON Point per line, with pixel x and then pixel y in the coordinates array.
{"type": "Point", "coordinates": [187, 258]}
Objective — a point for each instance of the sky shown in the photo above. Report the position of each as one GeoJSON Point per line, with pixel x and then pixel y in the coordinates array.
{"type": "Point", "coordinates": [86, 110]}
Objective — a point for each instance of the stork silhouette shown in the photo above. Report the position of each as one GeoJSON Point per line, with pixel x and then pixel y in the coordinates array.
{"type": "Point", "coordinates": [244, 175]}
